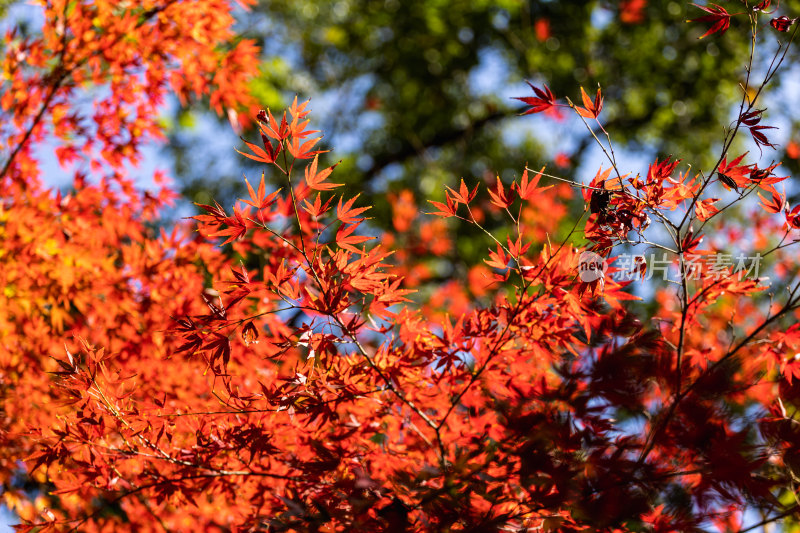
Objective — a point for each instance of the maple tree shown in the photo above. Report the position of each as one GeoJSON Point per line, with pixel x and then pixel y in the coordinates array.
{"type": "Point", "coordinates": [270, 366]}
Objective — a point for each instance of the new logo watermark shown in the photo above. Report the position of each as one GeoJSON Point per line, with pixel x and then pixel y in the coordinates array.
{"type": "Point", "coordinates": [593, 267]}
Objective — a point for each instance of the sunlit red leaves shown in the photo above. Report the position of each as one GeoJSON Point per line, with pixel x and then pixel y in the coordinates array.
{"type": "Point", "coordinates": [299, 112]}
{"type": "Point", "coordinates": [718, 17]}
{"type": "Point", "coordinates": [498, 259]}
{"type": "Point", "coordinates": [660, 171]}
{"type": "Point", "coordinates": [764, 177]}
{"type": "Point", "coordinates": [120, 280]}
{"type": "Point", "coordinates": [776, 204]}
{"type": "Point", "coordinates": [347, 213]}
{"type": "Point", "coordinates": [317, 208]}
{"type": "Point", "coordinates": [186, 47]}
{"type": "Point", "coordinates": [543, 100]}
{"type": "Point", "coordinates": [236, 225]}
{"type": "Point", "coordinates": [517, 248]}
{"type": "Point", "coordinates": [297, 145]}
{"type": "Point", "coordinates": [464, 195]}
{"type": "Point", "coordinates": [705, 209]}
{"type": "Point", "coordinates": [732, 174]}
{"type": "Point", "coordinates": [337, 413]}
{"type": "Point", "coordinates": [499, 196]}
{"type": "Point", "coordinates": [271, 128]}
{"type": "Point", "coordinates": [346, 238]}
{"type": "Point", "coordinates": [691, 241]}
{"type": "Point", "coordinates": [591, 108]}
{"type": "Point", "coordinates": [259, 154]}
{"type": "Point", "coordinates": [793, 217]}
{"type": "Point", "coordinates": [527, 187]}
{"type": "Point", "coordinates": [240, 288]}
{"type": "Point", "coordinates": [260, 199]}
{"type": "Point", "coordinates": [596, 194]}
{"type": "Point", "coordinates": [316, 180]}
{"type": "Point", "coordinates": [291, 134]}
{"type": "Point", "coordinates": [447, 209]}
{"type": "Point", "coordinates": [303, 149]}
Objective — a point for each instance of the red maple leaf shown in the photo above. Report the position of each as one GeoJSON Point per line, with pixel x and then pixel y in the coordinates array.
{"type": "Point", "coordinates": [719, 17]}
{"type": "Point", "coordinates": [543, 100]}
{"type": "Point", "coordinates": [782, 23]}
{"type": "Point", "coordinates": [316, 179]}
{"type": "Point", "coordinates": [591, 108]}
{"type": "Point", "coordinates": [499, 196]}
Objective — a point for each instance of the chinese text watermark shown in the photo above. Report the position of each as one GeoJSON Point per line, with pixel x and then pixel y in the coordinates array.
{"type": "Point", "coordinates": [593, 267]}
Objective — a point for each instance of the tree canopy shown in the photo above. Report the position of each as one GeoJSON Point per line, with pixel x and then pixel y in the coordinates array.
{"type": "Point", "coordinates": [370, 341]}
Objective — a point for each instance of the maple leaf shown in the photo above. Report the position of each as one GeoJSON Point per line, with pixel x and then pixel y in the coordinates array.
{"type": "Point", "coordinates": [220, 348]}
{"type": "Point", "coordinates": [445, 210]}
{"type": "Point", "coordinates": [347, 214]}
{"type": "Point", "coordinates": [346, 239]}
{"type": "Point", "coordinates": [464, 195]}
{"type": "Point", "coordinates": [516, 248]}
{"type": "Point", "coordinates": [260, 155]}
{"type": "Point", "coordinates": [497, 259]}
{"type": "Point", "coordinates": [499, 197]}
{"type": "Point", "coordinates": [793, 217]}
{"type": "Point", "coordinates": [660, 171]}
{"type": "Point", "coordinates": [718, 16]}
{"type": "Point", "coordinates": [316, 180]}
{"type": "Point", "coordinates": [596, 194]}
{"type": "Point", "coordinates": [299, 112]}
{"type": "Point", "coordinates": [321, 388]}
{"type": "Point", "coordinates": [774, 205]}
{"type": "Point", "coordinates": [782, 23]}
{"type": "Point", "coordinates": [216, 214]}
{"type": "Point", "coordinates": [759, 138]}
{"type": "Point", "coordinates": [527, 188]}
{"type": "Point", "coordinates": [727, 181]}
{"type": "Point", "coordinates": [762, 6]}
{"type": "Point", "coordinates": [751, 118]}
{"type": "Point", "coordinates": [543, 100]}
{"type": "Point", "coordinates": [304, 150]}
{"type": "Point", "coordinates": [690, 241]}
{"type": "Point", "coordinates": [269, 127]}
{"type": "Point", "coordinates": [317, 209]}
{"type": "Point", "coordinates": [591, 108]}
{"type": "Point", "coordinates": [705, 208]}
{"type": "Point", "coordinates": [260, 199]}
{"type": "Point", "coordinates": [237, 226]}
{"type": "Point", "coordinates": [733, 175]}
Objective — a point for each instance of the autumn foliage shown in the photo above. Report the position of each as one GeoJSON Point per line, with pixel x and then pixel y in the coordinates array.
{"type": "Point", "coordinates": [284, 364]}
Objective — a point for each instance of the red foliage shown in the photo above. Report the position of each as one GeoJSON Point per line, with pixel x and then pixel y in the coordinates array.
{"type": "Point", "coordinates": [152, 383]}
